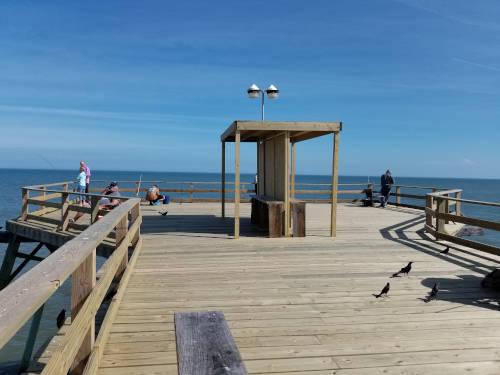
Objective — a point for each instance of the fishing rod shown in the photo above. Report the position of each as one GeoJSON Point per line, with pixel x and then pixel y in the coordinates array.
{"type": "Point", "coordinates": [139, 186]}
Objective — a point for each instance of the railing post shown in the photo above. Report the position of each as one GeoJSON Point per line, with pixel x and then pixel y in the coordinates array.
{"type": "Point", "coordinates": [370, 189]}
{"type": "Point", "coordinates": [120, 233]}
{"type": "Point", "coordinates": [458, 204]}
{"type": "Point", "coordinates": [428, 205]}
{"type": "Point", "coordinates": [94, 209]}
{"type": "Point", "coordinates": [191, 187]}
{"type": "Point", "coordinates": [439, 220]}
{"type": "Point", "coordinates": [30, 343]}
{"type": "Point", "coordinates": [64, 211]}
{"type": "Point", "coordinates": [82, 283]}
{"type": "Point", "coordinates": [135, 213]}
{"type": "Point", "coordinates": [398, 197]}
{"type": "Point", "coordinates": [24, 207]}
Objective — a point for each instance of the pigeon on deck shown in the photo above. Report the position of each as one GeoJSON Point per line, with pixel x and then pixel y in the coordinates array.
{"type": "Point", "coordinates": [384, 291]}
{"type": "Point", "coordinates": [445, 251]}
{"type": "Point", "coordinates": [61, 317]}
{"type": "Point", "coordinates": [405, 270]}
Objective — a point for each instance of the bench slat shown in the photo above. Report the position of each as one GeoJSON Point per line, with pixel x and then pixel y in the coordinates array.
{"type": "Point", "coordinates": [205, 345]}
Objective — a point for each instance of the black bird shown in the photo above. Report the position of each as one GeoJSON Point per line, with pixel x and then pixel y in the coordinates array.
{"type": "Point", "coordinates": [406, 270]}
{"type": "Point", "coordinates": [384, 291]}
{"type": "Point", "coordinates": [445, 251]}
{"type": "Point", "coordinates": [163, 213]}
{"type": "Point", "coordinates": [433, 293]}
{"type": "Point", "coordinates": [61, 317]}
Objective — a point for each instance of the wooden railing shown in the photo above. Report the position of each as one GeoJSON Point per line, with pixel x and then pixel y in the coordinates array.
{"type": "Point", "coordinates": [438, 214]}
{"type": "Point", "coordinates": [26, 296]}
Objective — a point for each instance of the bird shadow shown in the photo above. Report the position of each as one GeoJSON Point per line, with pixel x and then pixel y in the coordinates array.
{"type": "Point", "coordinates": [462, 290]}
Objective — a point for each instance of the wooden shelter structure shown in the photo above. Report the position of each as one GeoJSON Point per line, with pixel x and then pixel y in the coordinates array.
{"type": "Point", "coordinates": [276, 161]}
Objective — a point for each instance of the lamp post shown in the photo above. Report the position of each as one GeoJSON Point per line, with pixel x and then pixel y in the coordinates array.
{"type": "Point", "coordinates": [254, 91]}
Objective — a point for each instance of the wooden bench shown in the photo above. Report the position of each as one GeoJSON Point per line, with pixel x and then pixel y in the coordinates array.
{"type": "Point", "coordinates": [205, 345]}
{"type": "Point", "coordinates": [267, 214]}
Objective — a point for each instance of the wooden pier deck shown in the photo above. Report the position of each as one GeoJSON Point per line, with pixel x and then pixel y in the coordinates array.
{"type": "Point", "coordinates": [305, 305]}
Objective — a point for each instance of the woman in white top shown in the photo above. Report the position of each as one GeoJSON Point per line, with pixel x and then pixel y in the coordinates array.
{"type": "Point", "coordinates": [81, 180]}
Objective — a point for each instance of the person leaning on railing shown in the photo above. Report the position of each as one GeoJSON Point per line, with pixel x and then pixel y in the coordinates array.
{"type": "Point", "coordinates": [386, 182]}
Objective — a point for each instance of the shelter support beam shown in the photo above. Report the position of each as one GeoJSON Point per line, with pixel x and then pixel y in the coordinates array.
{"type": "Point", "coordinates": [335, 175]}
{"type": "Point", "coordinates": [237, 185]}
{"type": "Point", "coordinates": [223, 180]}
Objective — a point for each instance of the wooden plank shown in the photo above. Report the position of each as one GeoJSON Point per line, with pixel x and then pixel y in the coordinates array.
{"type": "Point", "coordinates": [120, 235]}
{"type": "Point", "coordinates": [486, 224]}
{"type": "Point", "coordinates": [64, 212]}
{"type": "Point", "coordinates": [43, 202]}
{"type": "Point", "coordinates": [83, 281]}
{"type": "Point", "coordinates": [223, 180]}
{"type": "Point", "coordinates": [26, 294]}
{"type": "Point", "coordinates": [98, 350]}
{"type": "Point", "coordinates": [299, 218]}
{"type": "Point", "coordinates": [24, 203]}
{"type": "Point", "coordinates": [286, 182]}
{"type": "Point", "coordinates": [292, 171]}
{"type": "Point", "coordinates": [335, 172]}
{"type": "Point", "coordinates": [237, 186]}
{"type": "Point", "coordinates": [205, 345]}
{"type": "Point", "coordinates": [63, 355]}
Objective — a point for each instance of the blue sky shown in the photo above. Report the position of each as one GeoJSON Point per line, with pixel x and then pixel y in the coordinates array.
{"type": "Point", "coordinates": [150, 85]}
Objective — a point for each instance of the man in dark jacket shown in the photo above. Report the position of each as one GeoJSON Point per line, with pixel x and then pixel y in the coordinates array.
{"type": "Point", "coordinates": [386, 182]}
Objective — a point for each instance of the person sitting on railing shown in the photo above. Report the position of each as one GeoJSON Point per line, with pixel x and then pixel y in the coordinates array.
{"type": "Point", "coordinates": [386, 182]}
{"type": "Point", "coordinates": [154, 197]}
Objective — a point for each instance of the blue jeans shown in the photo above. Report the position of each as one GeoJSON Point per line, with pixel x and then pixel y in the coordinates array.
{"type": "Point", "coordinates": [81, 189]}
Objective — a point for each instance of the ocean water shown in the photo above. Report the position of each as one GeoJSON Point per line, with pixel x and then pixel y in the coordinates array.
{"type": "Point", "coordinates": [10, 202]}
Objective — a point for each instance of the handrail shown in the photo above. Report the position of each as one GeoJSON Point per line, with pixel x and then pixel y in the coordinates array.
{"type": "Point", "coordinates": [437, 212]}
{"type": "Point", "coordinates": [26, 296]}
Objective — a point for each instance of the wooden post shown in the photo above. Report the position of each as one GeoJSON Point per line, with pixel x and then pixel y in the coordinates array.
{"type": "Point", "coordinates": [135, 214]}
{"type": "Point", "coordinates": [458, 204]}
{"type": "Point", "coordinates": [24, 208]}
{"type": "Point", "coordinates": [428, 204]}
{"type": "Point", "coordinates": [292, 171]}
{"type": "Point", "coordinates": [64, 211]}
{"type": "Point", "coordinates": [120, 233]}
{"type": "Point", "coordinates": [398, 197]}
{"type": "Point", "coordinates": [9, 261]}
{"type": "Point", "coordinates": [439, 220]}
{"type": "Point", "coordinates": [82, 283]}
{"type": "Point", "coordinates": [335, 172]}
{"type": "Point", "coordinates": [223, 180]}
{"type": "Point", "coordinates": [287, 184]}
{"type": "Point", "coordinates": [94, 209]}
{"type": "Point", "coordinates": [30, 342]}
{"type": "Point", "coordinates": [237, 185]}
{"type": "Point", "coordinates": [65, 187]}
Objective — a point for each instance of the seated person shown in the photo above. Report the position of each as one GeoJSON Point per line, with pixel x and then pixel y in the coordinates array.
{"type": "Point", "coordinates": [110, 191]}
{"type": "Point", "coordinates": [153, 195]}
{"type": "Point", "coordinates": [105, 203]}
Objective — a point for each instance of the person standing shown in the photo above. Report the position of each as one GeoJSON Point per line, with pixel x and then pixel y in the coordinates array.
{"type": "Point", "coordinates": [386, 182]}
{"type": "Point", "coordinates": [81, 183]}
{"type": "Point", "coordinates": [86, 169]}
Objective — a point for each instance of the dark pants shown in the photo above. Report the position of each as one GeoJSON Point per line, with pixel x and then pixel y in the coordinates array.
{"type": "Point", "coordinates": [385, 192]}
{"type": "Point", "coordinates": [87, 188]}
